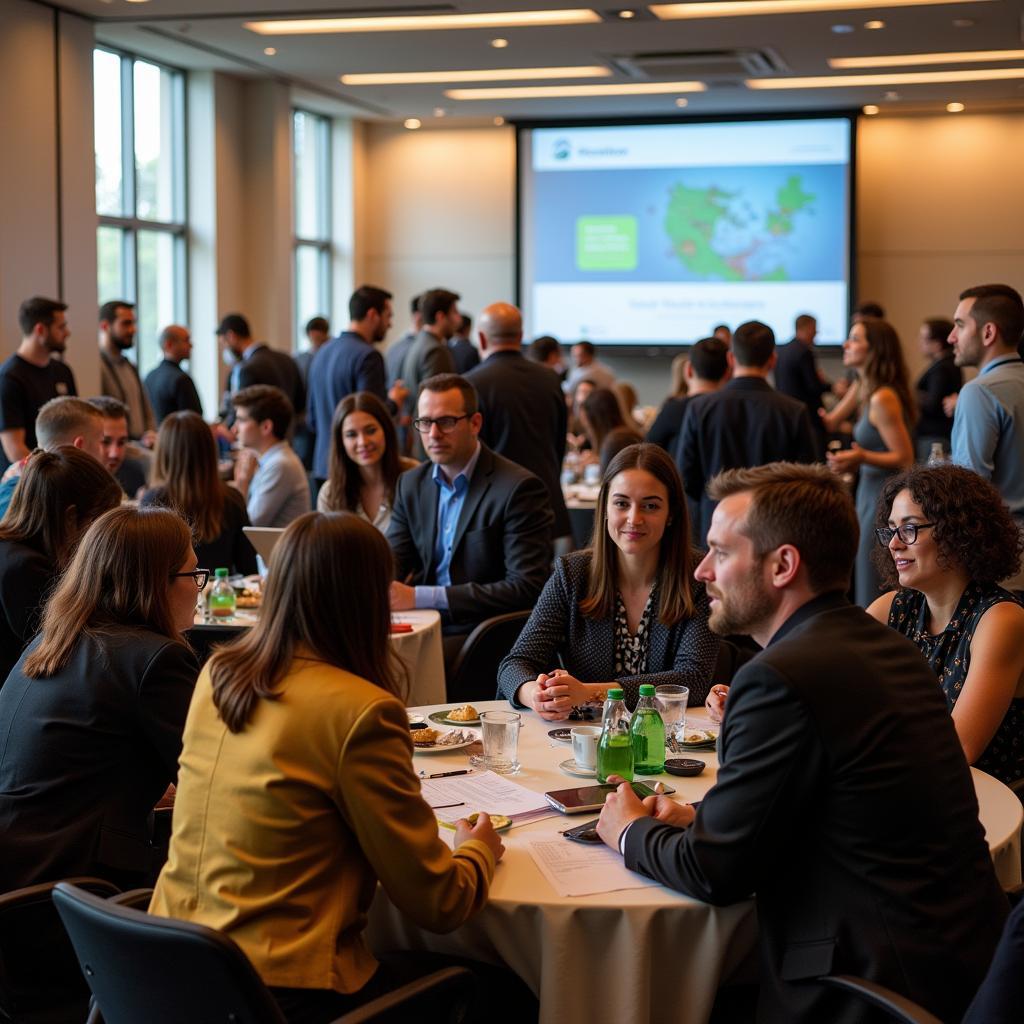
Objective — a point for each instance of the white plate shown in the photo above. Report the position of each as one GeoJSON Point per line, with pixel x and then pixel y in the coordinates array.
{"type": "Point", "coordinates": [443, 749]}
{"type": "Point", "coordinates": [570, 767]}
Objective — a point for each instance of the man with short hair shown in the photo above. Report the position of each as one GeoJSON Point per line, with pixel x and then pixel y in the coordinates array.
{"type": "Point", "coordinates": [127, 470]}
{"type": "Point", "coordinates": [587, 365]}
{"type": "Point", "coordinates": [523, 408]}
{"type": "Point", "coordinates": [706, 370]}
{"type": "Point", "coordinates": [463, 350]}
{"type": "Point", "coordinates": [797, 374]}
{"type": "Point", "coordinates": [118, 375]}
{"type": "Point", "coordinates": [745, 423]}
{"type": "Point", "coordinates": [470, 530]}
{"type": "Point", "coordinates": [843, 801]}
{"type": "Point", "coordinates": [268, 474]}
{"type": "Point", "coordinates": [546, 351]}
{"type": "Point", "coordinates": [169, 387]}
{"type": "Point", "coordinates": [31, 377]}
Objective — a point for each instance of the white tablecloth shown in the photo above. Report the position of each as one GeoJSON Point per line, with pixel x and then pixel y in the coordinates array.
{"type": "Point", "coordinates": [646, 956]}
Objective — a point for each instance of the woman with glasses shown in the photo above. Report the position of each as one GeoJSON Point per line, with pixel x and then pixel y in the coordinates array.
{"type": "Point", "coordinates": [945, 539]}
{"type": "Point", "coordinates": [186, 478]}
{"type": "Point", "coordinates": [365, 462]}
{"type": "Point", "coordinates": [91, 716]}
{"type": "Point", "coordinates": [59, 494]}
{"type": "Point", "coordinates": [624, 612]}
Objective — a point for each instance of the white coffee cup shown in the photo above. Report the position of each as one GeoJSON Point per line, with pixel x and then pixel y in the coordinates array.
{"type": "Point", "coordinates": [584, 745]}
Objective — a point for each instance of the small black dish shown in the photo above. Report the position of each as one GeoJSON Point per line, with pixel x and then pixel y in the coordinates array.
{"type": "Point", "coordinates": [684, 766]}
{"type": "Point", "coordinates": [561, 735]}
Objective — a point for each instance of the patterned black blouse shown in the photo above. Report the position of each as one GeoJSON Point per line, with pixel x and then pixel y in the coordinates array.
{"type": "Point", "coordinates": [630, 648]}
{"type": "Point", "coordinates": [949, 654]}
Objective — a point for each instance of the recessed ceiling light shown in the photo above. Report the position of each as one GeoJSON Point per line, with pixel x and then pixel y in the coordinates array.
{"type": "Point", "coordinates": [842, 30]}
{"type": "Point", "coordinates": [871, 110]}
{"type": "Point", "coordinates": [900, 78]}
{"type": "Point", "coordinates": [954, 108]}
{"type": "Point", "coordinates": [481, 75]}
{"type": "Point", "coordinates": [535, 92]}
{"type": "Point", "coordinates": [498, 122]}
{"type": "Point", "coordinates": [412, 123]}
{"type": "Point", "coordinates": [682, 101]}
{"type": "Point", "coordinates": [897, 60]}
{"type": "Point", "coordinates": [748, 8]}
{"type": "Point", "coordinates": [269, 51]}
{"type": "Point", "coordinates": [876, 24]}
{"type": "Point", "coordinates": [426, 22]}
{"type": "Point", "coordinates": [627, 14]}
{"type": "Point", "coordinates": [439, 111]}
{"type": "Point", "coordinates": [499, 44]}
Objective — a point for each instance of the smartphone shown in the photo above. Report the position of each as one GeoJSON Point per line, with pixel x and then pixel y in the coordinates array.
{"type": "Point", "coordinates": [585, 833]}
{"type": "Point", "coordinates": [592, 798]}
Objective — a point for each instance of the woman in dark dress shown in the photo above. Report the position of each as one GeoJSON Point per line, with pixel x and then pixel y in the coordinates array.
{"type": "Point", "coordinates": [58, 495]}
{"type": "Point", "coordinates": [942, 379]}
{"type": "Point", "coordinates": [949, 539]}
{"type": "Point", "coordinates": [185, 479]}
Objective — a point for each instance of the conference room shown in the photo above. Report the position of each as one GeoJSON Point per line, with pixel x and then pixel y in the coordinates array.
{"type": "Point", "coordinates": [199, 181]}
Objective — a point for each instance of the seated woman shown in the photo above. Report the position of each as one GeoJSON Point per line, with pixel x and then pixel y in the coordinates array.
{"type": "Point", "coordinates": [297, 793]}
{"type": "Point", "coordinates": [606, 427]}
{"type": "Point", "coordinates": [58, 495]}
{"type": "Point", "coordinates": [948, 539]}
{"type": "Point", "coordinates": [365, 463]}
{"type": "Point", "coordinates": [625, 612]}
{"type": "Point", "coordinates": [92, 714]}
{"type": "Point", "coordinates": [186, 479]}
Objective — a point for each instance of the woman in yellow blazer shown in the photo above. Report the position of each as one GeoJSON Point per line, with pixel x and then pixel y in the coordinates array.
{"type": "Point", "coordinates": [296, 791]}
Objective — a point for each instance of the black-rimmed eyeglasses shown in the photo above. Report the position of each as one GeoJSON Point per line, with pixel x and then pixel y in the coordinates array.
{"type": "Point", "coordinates": [906, 533]}
{"type": "Point", "coordinates": [200, 576]}
{"type": "Point", "coordinates": [446, 424]}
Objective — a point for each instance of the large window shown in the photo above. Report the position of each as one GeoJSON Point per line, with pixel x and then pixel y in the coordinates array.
{"type": "Point", "coordinates": [140, 192]}
{"type": "Point", "coordinates": [311, 172]}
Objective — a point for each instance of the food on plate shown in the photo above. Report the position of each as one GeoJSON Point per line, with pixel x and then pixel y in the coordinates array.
{"type": "Point", "coordinates": [452, 738]}
{"type": "Point", "coordinates": [465, 713]}
{"type": "Point", "coordinates": [700, 736]}
{"type": "Point", "coordinates": [424, 737]}
{"type": "Point", "coordinates": [247, 599]}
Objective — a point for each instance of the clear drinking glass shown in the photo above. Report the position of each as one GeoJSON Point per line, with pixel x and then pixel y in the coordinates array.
{"type": "Point", "coordinates": [501, 742]}
{"type": "Point", "coordinates": [672, 701]}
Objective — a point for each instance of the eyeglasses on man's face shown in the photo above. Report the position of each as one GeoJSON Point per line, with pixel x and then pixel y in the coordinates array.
{"type": "Point", "coordinates": [446, 424]}
{"type": "Point", "coordinates": [906, 533]}
{"type": "Point", "coordinates": [200, 576]}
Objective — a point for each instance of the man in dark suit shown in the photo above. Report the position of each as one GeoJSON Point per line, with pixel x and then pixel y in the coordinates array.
{"type": "Point", "coordinates": [471, 531]}
{"type": "Point", "coordinates": [462, 348]}
{"type": "Point", "coordinates": [797, 373]}
{"type": "Point", "coordinates": [843, 799]}
{"type": "Point", "coordinates": [169, 387]}
{"type": "Point", "coordinates": [745, 423]}
{"type": "Point", "coordinates": [524, 411]}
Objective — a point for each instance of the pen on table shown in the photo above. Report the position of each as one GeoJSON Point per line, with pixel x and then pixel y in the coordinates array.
{"type": "Point", "coordinates": [446, 775]}
{"type": "Point", "coordinates": [441, 807]}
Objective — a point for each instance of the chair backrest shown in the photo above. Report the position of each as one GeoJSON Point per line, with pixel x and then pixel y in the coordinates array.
{"type": "Point", "coordinates": [39, 974]}
{"type": "Point", "coordinates": [475, 672]}
{"type": "Point", "coordinates": [154, 969]}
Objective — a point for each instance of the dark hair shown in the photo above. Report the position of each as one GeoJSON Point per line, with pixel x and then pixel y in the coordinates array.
{"type": "Point", "coordinates": [806, 506]}
{"type": "Point", "coordinates": [120, 576]}
{"type": "Point", "coordinates": [108, 311]}
{"type": "Point", "coordinates": [465, 322]}
{"type": "Point", "coordinates": [886, 367]}
{"type": "Point", "coordinates": [446, 382]}
{"type": "Point", "coordinates": [235, 322]}
{"type": "Point", "coordinates": [62, 419]}
{"type": "Point", "coordinates": [615, 441]}
{"type": "Point", "coordinates": [310, 606]}
{"type": "Point", "coordinates": [1001, 305]}
{"type": "Point", "coordinates": [753, 344]}
{"type": "Point", "coordinates": [266, 402]}
{"type": "Point", "coordinates": [869, 308]}
{"type": "Point", "coordinates": [38, 310]}
{"type": "Point", "coordinates": [185, 467]}
{"type": "Point", "coordinates": [974, 529]}
{"type": "Point", "coordinates": [109, 408]}
{"type": "Point", "coordinates": [939, 329]}
{"type": "Point", "coordinates": [676, 560]}
{"type": "Point", "coordinates": [51, 483]}
{"type": "Point", "coordinates": [318, 323]}
{"type": "Point", "coordinates": [721, 327]}
{"type": "Point", "coordinates": [603, 414]}
{"type": "Point", "coordinates": [437, 300]}
{"type": "Point", "coordinates": [366, 298]}
{"type": "Point", "coordinates": [414, 304]}
{"type": "Point", "coordinates": [585, 346]}
{"type": "Point", "coordinates": [342, 473]}
{"type": "Point", "coordinates": [541, 348]}
{"type": "Point", "coordinates": [804, 320]}
{"type": "Point", "coordinates": [708, 359]}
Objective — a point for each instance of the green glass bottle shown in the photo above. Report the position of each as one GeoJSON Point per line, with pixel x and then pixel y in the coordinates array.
{"type": "Point", "coordinates": [221, 600]}
{"type": "Point", "coordinates": [647, 731]}
{"type": "Point", "coordinates": [615, 747]}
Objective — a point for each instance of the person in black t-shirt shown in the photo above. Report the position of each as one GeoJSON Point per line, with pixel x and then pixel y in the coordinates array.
{"type": "Point", "coordinates": [31, 377]}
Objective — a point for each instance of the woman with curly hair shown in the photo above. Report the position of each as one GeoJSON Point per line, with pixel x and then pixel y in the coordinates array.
{"type": "Point", "coordinates": [947, 540]}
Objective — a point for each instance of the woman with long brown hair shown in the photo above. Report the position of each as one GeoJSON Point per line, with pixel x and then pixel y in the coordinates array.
{"type": "Point", "coordinates": [92, 714]}
{"type": "Point", "coordinates": [364, 463]}
{"type": "Point", "coordinates": [185, 478]}
{"type": "Point", "coordinates": [624, 612]}
{"type": "Point", "coordinates": [882, 443]}
{"type": "Point", "coordinates": [605, 425]}
{"type": "Point", "coordinates": [58, 495]}
{"type": "Point", "coordinates": [296, 792]}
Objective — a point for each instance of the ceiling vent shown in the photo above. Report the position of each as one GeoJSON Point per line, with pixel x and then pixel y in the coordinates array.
{"type": "Point", "coordinates": [706, 65]}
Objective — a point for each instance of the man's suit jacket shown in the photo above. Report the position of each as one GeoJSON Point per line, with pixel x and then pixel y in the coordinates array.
{"type": "Point", "coordinates": [844, 802]}
{"type": "Point", "coordinates": [745, 423]}
{"type": "Point", "coordinates": [464, 354]}
{"type": "Point", "coordinates": [171, 389]}
{"type": "Point", "coordinates": [502, 546]}
{"type": "Point", "coordinates": [344, 365]}
{"type": "Point", "coordinates": [796, 375]}
{"type": "Point", "coordinates": [525, 420]}
{"type": "Point", "coordinates": [265, 365]}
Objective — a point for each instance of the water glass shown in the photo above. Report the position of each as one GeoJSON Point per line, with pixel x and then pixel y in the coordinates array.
{"type": "Point", "coordinates": [500, 741]}
{"type": "Point", "coordinates": [672, 701]}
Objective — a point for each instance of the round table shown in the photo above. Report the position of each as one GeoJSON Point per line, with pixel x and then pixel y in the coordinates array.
{"type": "Point", "coordinates": [647, 956]}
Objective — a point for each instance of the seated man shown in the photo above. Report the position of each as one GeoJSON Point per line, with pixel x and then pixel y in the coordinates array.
{"type": "Point", "coordinates": [268, 473]}
{"type": "Point", "coordinates": [843, 800]}
{"type": "Point", "coordinates": [470, 530]}
{"type": "Point", "coordinates": [128, 469]}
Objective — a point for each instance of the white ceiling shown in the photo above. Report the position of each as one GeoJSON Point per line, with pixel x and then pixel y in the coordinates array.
{"type": "Point", "coordinates": [210, 34]}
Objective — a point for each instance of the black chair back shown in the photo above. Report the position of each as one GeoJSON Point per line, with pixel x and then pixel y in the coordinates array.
{"type": "Point", "coordinates": [475, 672]}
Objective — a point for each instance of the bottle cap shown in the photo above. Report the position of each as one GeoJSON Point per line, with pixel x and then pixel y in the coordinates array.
{"type": "Point", "coordinates": [221, 574]}
{"type": "Point", "coordinates": [615, 693]}
{"type": "Point", "coordinates": [646, 690]}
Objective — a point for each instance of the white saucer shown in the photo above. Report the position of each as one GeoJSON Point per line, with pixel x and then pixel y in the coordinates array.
{"type": "Point", "coordinates": [570, 767]}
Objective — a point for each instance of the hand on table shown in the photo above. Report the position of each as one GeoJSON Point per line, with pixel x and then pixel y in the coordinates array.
{"type": "Point", "coordinates": [482, 830]}
{"type": "Point", "coordinates": [553, 694]}
{"type": "Point", "coordinates": [665, 809]}
{"type": "Point", "coordinates": [620, 810]}
{"type": "Point", "coordinates": [403, 598]}
{"type": "Point", "coordinates": [715, 703]}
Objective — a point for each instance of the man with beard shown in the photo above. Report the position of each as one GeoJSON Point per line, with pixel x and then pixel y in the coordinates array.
{"type": "Point", "coordinates": [118, 376]}
{"type": "Point", "coordinates": [31, 377]}
{"type": "Point", "coordinates": [843, 801]}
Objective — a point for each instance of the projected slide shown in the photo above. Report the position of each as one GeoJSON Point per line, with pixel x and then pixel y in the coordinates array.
{"type": "Point", "coordinates": [654, 234]}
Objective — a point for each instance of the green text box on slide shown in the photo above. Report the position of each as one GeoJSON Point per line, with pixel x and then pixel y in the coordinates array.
{"type": "Point", "coordinates": [606, 243]}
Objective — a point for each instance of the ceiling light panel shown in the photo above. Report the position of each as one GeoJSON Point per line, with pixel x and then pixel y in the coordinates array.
{"type": "Point", "coordinates": [560, 91]}
{"type": "Point", "coordinates": [902, 60]}
{"type": "Point", "coordinates": [424, 22]}
{"type": "Point", "coordinates": [482, 75]}
{"type": "Point", "coordinates": [752, 8]}
{"type": "Point", "coordinates": [901, 78]}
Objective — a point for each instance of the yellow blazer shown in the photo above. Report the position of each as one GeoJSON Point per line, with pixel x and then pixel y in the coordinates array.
{"type": "Point", "coordinates": [282, 831]}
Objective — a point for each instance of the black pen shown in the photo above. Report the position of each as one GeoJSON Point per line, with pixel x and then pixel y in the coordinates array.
{"type": "Point", "coordinates": [446, 775]}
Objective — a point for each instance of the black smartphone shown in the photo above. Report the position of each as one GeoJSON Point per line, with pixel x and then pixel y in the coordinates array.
{"type": "Point", "coordinates": [586, 833]}
{"type": "Point", "coordinates": [592, 798]}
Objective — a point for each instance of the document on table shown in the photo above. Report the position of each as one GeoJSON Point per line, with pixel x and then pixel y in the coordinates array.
{"type": "Point", "coordinates": [578, 869]}
{"type": "Point", "coordinates": [454, 798]}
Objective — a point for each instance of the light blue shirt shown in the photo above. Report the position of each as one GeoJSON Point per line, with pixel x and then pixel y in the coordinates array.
{"type": "Point", "coordinates": [450, 499]}
{"type": "Point", "coordinates": [988, 428]}
{"type": "Point", "coordinates": [279, 490]}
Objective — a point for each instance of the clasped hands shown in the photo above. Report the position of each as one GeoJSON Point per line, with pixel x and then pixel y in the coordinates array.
{"type": "Point", "coordinates": [554, 694]}
{"type": "Point", "coordinates": [623, 807]}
